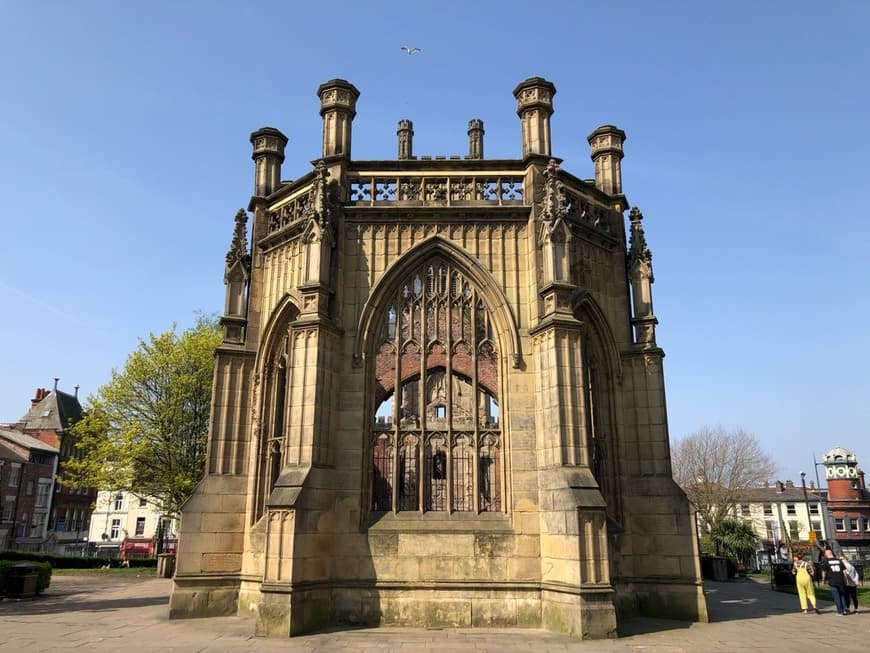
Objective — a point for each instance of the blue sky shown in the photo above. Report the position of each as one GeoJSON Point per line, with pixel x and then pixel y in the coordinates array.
{"type": "Point", "coordinates": [124, 155]}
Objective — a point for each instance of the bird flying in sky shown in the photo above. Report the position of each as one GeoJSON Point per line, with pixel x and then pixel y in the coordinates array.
{"type": "Point", "coordinates": [410, 51]}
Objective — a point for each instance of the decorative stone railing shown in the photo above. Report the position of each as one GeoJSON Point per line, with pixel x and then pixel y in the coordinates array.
{"type": "Point", "coordinates": [436, 190]}
{"type": "Point", "coordinates": [579, 209]}
{"type": "Point", "coordinates": [291, 210]}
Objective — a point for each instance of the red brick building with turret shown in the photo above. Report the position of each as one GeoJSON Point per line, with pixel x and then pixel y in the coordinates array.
{"type": "Point", "coordinates": [848, 503]}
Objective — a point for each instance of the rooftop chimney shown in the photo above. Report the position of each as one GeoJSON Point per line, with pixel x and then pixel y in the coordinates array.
{"type": "Point", "coordinates": [534, 107]}
{"type": "Point", "coordinates": [475, 138]}
{"type": "Point", "coordinates": [269, 144]}
{"type": "Point", "coordinates": [337, 108]}
{"type": "Point", "coordinates": [406, 140]}
{"type": "Point", "coordinates": [41, 393]}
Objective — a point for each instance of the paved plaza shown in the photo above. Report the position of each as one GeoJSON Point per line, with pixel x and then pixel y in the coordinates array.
{"type": "Point", "coordinates": [114, 613]}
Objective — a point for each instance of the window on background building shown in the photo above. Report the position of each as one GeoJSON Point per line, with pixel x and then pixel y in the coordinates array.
{"type": "Point", "coordinates": [853, 524]}
{"type": "Point", "coordinates": [36, 525]}
{"type": "Point", "coordinates": [9, 509]}
{"type": "Point", "coordinates": [839, 524]}
{"type": "Point", "coordinates": [867, 525]}
{"type": "Point", "coordinates": [42, 492]}
{"type": "Point", "coordinates": [814, 509]}
{"type": "Point", "coordinates": [119, 502]}
{"type": "Point", "coordinates": [116, 529]}
{"type": "Point", "coordinates": [817, 526]}
{"type": "Point", "coordinates": [769, 528]}
{"type": "Point", "coordinates": [140, 526]}
{"type": "Point", "coordinates": [744, 509]}
{"type": "Point", "coordinates": [790, 509]}
{"type": "Point", "coordinates": [794, 529]}
{"type": "Point", "coordinates": [14, 475]}
{"type": "Point", "coordinates": [29, 490]}
{"type": "Point", "coordinates": [166, 525]}
{"type": "Point", "coordinates": [768, 509]}
{"type": "Point", "coordinates": [142, 502]}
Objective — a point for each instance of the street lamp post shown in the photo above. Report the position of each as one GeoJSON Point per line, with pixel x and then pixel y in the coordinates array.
{"type": "Point", "coordinates": [810, 528]}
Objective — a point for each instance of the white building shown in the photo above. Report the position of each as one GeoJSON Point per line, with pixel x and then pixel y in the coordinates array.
{"type": "Point", "coordinates": [782, 514]}
{"type": "Point", "coordinates": [123, 521]}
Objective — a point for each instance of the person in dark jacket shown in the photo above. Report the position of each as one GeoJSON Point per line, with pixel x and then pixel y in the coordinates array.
{"type": "Point", "coordinates": [833, 572]}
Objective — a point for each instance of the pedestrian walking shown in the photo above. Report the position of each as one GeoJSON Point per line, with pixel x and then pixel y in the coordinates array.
{"type": "Point", "coordinates": [833, 573]}
{"type": "Point", "coordinates": [804, 572]}
{"type": "Point", "coordinates": [851, 589]}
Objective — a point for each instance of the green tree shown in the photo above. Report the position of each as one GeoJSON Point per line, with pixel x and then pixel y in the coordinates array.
{"type": "Point", "coordinates": [735, 539]}
{"type": "Point", "coordinates": [145, 430]}
{"type": "Point", "coordinates": [713, 466]}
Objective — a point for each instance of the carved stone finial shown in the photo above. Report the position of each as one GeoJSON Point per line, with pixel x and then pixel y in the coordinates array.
{"type": "Point", "coordinates": [238, 252]}
{"type": "Point", "coordinates": [638, 250]}
{"type": "Point", "coordinates": [553, 208]}
{"type": "Point", "coordinates": [320, 207]}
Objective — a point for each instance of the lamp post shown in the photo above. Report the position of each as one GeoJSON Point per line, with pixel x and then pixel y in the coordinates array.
{"type": "Point", "coordinates": [810, 528]}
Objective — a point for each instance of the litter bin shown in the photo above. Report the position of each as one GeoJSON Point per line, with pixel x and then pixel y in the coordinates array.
{"type": "Point", "coordinates": [165, 565]}
{"type": "Point", "coordinates": [783, 579]}
{"type": "Point", "coordinates": [21, 581]}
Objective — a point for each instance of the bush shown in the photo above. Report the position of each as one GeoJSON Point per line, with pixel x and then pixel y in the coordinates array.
{"type": "Point", "coordinates": [43, 575]}
{"type": "Point", "coordinates": [70, 562]}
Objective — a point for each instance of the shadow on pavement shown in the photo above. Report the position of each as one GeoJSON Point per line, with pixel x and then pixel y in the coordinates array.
{"type": "Point", "coordinates": [60, 604]}
{"type": "Point", "coordinates": [726, 601]}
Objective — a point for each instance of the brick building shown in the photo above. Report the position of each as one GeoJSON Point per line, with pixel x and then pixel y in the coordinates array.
{"type": "Point", "coordinates": [439, 400]}
{"type": "Point", "coordinates": [848, 503]}
{"type": "Point", "coordinates": [27, 473]}
{"type": "Point", "coordinates": [51, 416]}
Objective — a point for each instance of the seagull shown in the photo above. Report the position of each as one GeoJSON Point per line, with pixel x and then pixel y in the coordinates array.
{"type": "Point", "coordinates": [410, 51]}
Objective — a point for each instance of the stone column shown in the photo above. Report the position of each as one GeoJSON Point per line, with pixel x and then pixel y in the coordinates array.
{"type": "Point", "coordinates": [406, 140]}
{"type": "Point", "coordinates": [337, 108]}
{"type": "Point", "coordinates": [475, 138]}
{"type": "Point", "coordinates": [606, 143]}
{"type": "Point", "coordinates": [534, 107]}
{"type": "Point", "coordinates": [268, 156]}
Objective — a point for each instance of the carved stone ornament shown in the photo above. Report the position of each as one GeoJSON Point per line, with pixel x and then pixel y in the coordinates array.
{"type": "Point", "coordinates": [320, 208]}
{"type": "Point", "coordinates": [638, 250]}
{"type": "Point", "coordinates": [238, 252]}
{"type": "Point", "coordinates": [553, 208]}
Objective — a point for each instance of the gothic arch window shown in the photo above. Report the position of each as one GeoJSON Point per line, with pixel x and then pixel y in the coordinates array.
{"type": "Point", "coordinates": [273, 419]}
{"type": "Point", "coordinates": [436, 443]}
{"type": "Point", "coordinates": [600, 440]}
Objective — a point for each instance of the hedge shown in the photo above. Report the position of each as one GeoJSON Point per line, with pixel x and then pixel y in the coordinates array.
{"type": "Point", "coordinates": [71, 562]}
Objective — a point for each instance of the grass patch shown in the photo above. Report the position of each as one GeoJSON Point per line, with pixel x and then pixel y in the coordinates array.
{"type": "Point", "coordinates": [114, 572]}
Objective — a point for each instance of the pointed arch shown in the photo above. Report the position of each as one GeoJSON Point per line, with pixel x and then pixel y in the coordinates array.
{"type": "Point", "coordinates": [586, 309]}
{"type": "Point", "coordinates": [435, 335]}
{"type": "Point", "coordinates": [273, 367]}
{"type": "Point", "coordinates": [497, 301]}
{"type": "Point", "coordinates": [601, 376]}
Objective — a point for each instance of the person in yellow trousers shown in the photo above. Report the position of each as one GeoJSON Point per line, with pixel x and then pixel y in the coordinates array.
{"type": "Point", "coordinates": [803, 571]}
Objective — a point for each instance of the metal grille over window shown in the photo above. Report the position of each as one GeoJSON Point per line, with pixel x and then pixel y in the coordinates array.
{"type": "Point", "coordinates": [436, 444]}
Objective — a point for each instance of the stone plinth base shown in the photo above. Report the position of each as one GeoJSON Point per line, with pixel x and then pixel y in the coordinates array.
{"type": "Point", "coordinates": [200, 596]}
{"type": "Point", "coordinates": [666, 600]}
